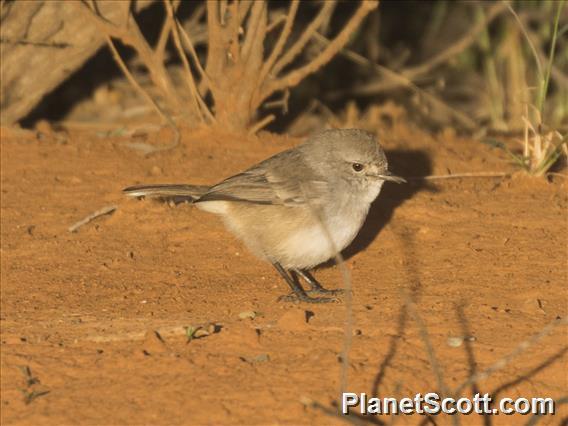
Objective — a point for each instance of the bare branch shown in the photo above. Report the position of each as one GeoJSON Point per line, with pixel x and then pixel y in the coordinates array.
{"type": "Point", "coordinates": [456, 48]}
{"type": "Point", "coordinates": [280, 103]}
{"type": "Point", "coordinates": [298, 46]}
{"type": "Point", "coordinates": [155, 65]}
{"type": "Point", "coordinates": [394, 79]}
{"type": "Point", "coordinates": [200, 105]}
{"type": "Point", "coordinates": [281, 40]}
{"type": "Point", "coordinates": [215, 48]}
{"type": "Point", "coordinates": [253, 27]}
{"type": "Point", "coordinates": [244, 8]}
{"type": "Point", "coordinates": [133, 81]}
{"type": "Point", "coordinates": [294, 77]}
{"type": "Point", "coordinates": [222, 11]}
{"type": "Point", "coordinates": [196, 16]}
{"type": "Point", "coordinates": [276, 22]}
{"type": "Point", "coordinates": [109, 27]}
{"type": "Point", "coordinates": [232, 27]}
{"type": "Point", "coordinates": [132, 36]}
{"type": "Point", "coordinates": [506, 360]}
{"type": "Point", "coordinates": [193, 53]}
{"type": "Point", "coordinates": [261, 124]}
{"type": "Point", "coordinates": [160, 48]}
{"type": "Point", "coordinates": [165, 116]}
{"type": "Point", "coordinates": [460, 45]}
{"type": "Point", "coordinates": [213, 12]}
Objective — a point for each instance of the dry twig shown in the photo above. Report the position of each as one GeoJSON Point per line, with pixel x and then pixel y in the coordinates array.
{"type": "Point", "coordinates": [282, 39]}
{"type": "Point", "coordinates": [401, 80]}
{"type": "Point", "coordinates": [200, 105]}
{"type": "Point", "coordinates": [236, 39]}
{"type": "Point", "coordinates": [506, 360]}
{"type": "Point", "coordinates": [460, 176]}
{"type": "Point", "coordinates": [130, 34]}
{"type": "Point", "coordinates": [159, 75]}
{"type": "Point", "coordinates": [261, 124]}
{"type": "Point", "coordinates": [413, 73]}
{"type": "Point", "coordinates": [191, 48]}
{"type": "Point", "coordinates": [91, 217]}
{"type": "Point", "coordinates": [294, 50]}
{"type": "Point", "coordinates": [294, 77]}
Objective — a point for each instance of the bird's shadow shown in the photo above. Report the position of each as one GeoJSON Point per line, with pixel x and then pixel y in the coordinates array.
{"type": "Point", "coordinates": [403, 163]}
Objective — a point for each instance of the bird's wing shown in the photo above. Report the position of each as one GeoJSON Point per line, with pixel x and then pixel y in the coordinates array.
{"type": "Point", "coordinates": [280, 180]}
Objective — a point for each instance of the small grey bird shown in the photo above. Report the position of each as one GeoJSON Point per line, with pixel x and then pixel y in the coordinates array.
{"type": "Point", "coordinates": [298, 208]}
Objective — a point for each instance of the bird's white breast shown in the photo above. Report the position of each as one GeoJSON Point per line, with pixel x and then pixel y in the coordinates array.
{"type": "Point", "coordinates": [319, 242]}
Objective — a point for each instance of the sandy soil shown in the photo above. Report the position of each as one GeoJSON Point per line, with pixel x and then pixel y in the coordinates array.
{"type": "Point", "coordinates": [483, 258]}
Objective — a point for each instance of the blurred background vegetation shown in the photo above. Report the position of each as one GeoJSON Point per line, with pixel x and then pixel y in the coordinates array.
{"type": "Point", "coordinates": [486, 68]}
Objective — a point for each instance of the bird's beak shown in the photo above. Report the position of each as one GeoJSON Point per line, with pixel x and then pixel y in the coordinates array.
{"type": "Point", "coordinates": [392, 178]}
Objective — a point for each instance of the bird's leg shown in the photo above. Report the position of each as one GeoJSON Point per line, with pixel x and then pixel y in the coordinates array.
{"type": "Point", "coordinates": [298, 291]}
{"type": "Point", "coordinates": [316, 287]}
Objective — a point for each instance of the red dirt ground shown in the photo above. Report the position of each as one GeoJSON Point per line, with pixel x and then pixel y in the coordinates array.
{"type": "Point", "coordinates": [483, 258]}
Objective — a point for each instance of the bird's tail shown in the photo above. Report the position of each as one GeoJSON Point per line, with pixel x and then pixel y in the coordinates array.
{"type": "Point", "coordinates": [167, 191]}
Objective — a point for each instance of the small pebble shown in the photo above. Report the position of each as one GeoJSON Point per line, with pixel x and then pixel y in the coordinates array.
{"type": "Point", "coordinates": [247, 314]}
{"type": "Point", "coordinates": [455, 342]}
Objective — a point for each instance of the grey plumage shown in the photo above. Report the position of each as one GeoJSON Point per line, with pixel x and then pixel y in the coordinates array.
{"type": "Point", "coordinates": [299, 207]}
{"type": "Point", "coordinates": [192, 192]}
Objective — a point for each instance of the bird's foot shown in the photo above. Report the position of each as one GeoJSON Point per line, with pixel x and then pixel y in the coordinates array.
{"type": "Point", "coordinates": [325, 291]}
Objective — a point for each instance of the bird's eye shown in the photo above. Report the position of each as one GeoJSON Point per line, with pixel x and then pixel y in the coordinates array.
{"type": "Point", "coordinates": [357, 167]}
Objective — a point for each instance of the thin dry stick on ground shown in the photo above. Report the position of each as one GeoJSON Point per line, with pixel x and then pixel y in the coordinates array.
{"type": "Point", "coordinates": [473, 175]}
{"type": "Point", "coordinates": [460, 176]}
{"type": "Point", "coordinates": [101, 212]}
